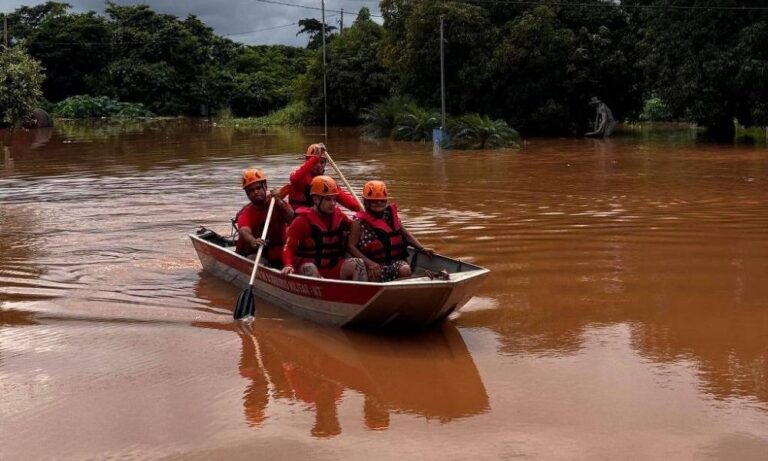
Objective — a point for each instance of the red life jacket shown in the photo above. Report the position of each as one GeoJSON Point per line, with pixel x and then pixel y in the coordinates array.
{"type": "Point", "coordinates": [389, 245]}
{"type": "Point", "coordinates": [325, 246]}
{"type": "Point", "coordinates": [300, 196]}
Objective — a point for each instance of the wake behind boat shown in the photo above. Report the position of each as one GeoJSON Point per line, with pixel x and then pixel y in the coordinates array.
{"type": "Point", "coordinates": [416, 302]}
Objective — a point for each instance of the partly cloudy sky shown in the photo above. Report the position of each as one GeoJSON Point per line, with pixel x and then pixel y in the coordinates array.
{"type": "Point", "coordinates": [247, 21]}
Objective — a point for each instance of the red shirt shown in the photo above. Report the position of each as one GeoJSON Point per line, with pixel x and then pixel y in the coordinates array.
{"type": "Point", "coordinates": [254, 218]}
{"type": "Point", "coordinates": [301, 179]}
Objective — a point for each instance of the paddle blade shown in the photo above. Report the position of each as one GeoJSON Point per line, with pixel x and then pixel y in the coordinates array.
{"type": "Point", "coordinates": [245, 304]}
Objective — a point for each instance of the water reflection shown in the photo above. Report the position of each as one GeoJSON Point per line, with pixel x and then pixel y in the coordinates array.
{"type": "Point", "coordinates": [663, 241]}
{"type": "Point", "coordinates": [714, 321]}
{"type": "Point", "coordinates": [740, 369]}
{"type": "Point", "coordinates": [431, 374]}
{"type": "Point", "coordinates": [19, 256]}
{"type": "Point", "coordinates": [23, 140]}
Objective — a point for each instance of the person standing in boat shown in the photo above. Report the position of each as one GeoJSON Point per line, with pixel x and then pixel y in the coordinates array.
{"type": "Point", "coordinates": [378, 237]}
{"type": "Point", "coordinates": [316, 239]}
{"type": "Point", "coordinates": [251, 218]}
{"type": "Point", "coordinates": [301, 180]}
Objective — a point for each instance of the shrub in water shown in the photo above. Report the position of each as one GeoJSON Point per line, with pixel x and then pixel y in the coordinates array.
{"type": "Point", "coordinates": [85, 106]}
{"type": "Point", "coordinates": [479, 131]}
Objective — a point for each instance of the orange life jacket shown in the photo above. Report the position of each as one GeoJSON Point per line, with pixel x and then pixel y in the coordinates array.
{"type": "Point", "coordinates": [389, 245]}
{"type": "Point", "coordinates": [325, 246]}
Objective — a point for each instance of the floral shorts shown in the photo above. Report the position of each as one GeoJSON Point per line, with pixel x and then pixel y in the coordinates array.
{"type": "Point", "coordinates": [390, 272]}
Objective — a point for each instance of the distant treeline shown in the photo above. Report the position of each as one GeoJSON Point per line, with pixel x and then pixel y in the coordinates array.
{"type": "Point", "coordinates": [534, 65]}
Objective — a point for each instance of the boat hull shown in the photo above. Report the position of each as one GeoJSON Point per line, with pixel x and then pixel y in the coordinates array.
{"type": "Point", "coordinates": [410, 303]}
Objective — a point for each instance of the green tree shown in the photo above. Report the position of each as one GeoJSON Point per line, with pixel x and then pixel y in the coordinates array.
{"type": "Point", "coordinates": [314, 29]}
{"type": "Point", "coordinates": [74, 50]}
{"type": "Point", "coordinates": [411, 50]}
{"type": "Point", "coordinates": [26, 19]}
{"type": "Point", "coordinates": [20, 81]}
{"type": "Point", "coordinates": [159, 59]}
{"type": "Point", "coordinates": [355, 77]}
{"type": "Point", "coordinates": [265, 78]}
{"type": "Point", "coordinates": [708, 64]}
{"type": "Point", "coordinates": [535, 66]}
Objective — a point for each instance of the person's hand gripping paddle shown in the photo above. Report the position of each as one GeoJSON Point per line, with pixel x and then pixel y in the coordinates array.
{"type": "Point", "coordinates": [246, 304]}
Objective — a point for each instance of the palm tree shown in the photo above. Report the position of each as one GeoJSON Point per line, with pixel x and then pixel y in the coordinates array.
{"type": "Point", "coordinates": [416, 124]}
{"type": "Point", "coordinates": [479, 132]}
{"type": "Point", "coordinates": [381, 119]}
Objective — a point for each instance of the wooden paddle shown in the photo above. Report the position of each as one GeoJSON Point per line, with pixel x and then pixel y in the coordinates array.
{"type": "Point", "coordinates": [338, 172]}
{"type": "Point", "coordinates": [246, 305]}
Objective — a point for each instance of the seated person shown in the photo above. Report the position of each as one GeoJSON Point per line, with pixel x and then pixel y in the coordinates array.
{"type": "Point", "coordinates": [316, 240]}
{"type": "Point", "coordinates": [378, 237]}
{"type": "Point", "coordinates": [250, 220]}
{"type": "Point", "coordinates": [301, 179]}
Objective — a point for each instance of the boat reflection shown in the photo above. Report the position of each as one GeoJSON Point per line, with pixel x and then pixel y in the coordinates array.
{"type": "Point", "coordinates": [430, 374]}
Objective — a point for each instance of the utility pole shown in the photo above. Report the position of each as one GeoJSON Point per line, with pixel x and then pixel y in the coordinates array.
{"type": "Point", "coordinates": [442, 74]}
{"type": "Point", "coordinates": [325, 85]}
{"type": "Point", "coordinates": [341, 23]}
{"type": "Point", "coordinates": [5, 30]}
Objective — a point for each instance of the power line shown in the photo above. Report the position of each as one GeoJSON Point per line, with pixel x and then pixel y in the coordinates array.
{"type": "Point", "coordinates": [610, 4]}
{"type": "Point", "coordinates": [295, 5]}
{"type": "Point", "coordinates": [268, 28]}
{"type": "Point", "coordinates": [260, 30]}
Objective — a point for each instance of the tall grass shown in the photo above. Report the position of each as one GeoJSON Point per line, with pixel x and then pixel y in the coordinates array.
{"type": "Point", "coordinates": [294, 114]}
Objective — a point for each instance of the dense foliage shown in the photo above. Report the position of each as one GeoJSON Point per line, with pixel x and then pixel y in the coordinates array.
{"type": "Point", "coordinates": [709, 65]}
{"type": "Point", "coordinates": [173, 66]}
{"type": "Point", "coordinates": [534, 65]}
{"type": "Point", "coordinates": [355, 77]}
{"type": "Point", "coordinates": [84, 106]}
{"type": "Point", "coordinates": [20, 81]}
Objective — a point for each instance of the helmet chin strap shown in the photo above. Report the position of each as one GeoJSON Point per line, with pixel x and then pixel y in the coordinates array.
{"type": "Point", "coordinates": [319, 209]}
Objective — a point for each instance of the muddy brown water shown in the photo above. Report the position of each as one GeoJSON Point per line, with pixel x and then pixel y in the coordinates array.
{"type": "Point", "coordinates": [625, 317]}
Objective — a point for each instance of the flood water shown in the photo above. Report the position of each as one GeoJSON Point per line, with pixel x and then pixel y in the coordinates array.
{"type": "Point", "coordinates": [625, 315]}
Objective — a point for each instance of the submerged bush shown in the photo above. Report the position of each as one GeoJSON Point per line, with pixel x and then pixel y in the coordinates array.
{"type": "Point", "coordinates": [294, 114]}
{"type": "Point", "coordinates": [655, 110]}
{"type": "Point", "coordinates": [479, 131]}
{"type": "Point", "coordinates": [85, 106]}
{"type": "Point", "coordinates": [381, 120]}
{"type": "Point", "coordinates": [416, 124]}
{"type": "Point", "coordinates": [405, 121]}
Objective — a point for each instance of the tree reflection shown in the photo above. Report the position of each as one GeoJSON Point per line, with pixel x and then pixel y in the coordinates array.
{"type": "Point", "coordinates": [716, 322]}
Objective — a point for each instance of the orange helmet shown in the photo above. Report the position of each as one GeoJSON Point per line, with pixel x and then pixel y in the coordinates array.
{"type": "Point", "coordinates": [323, 186]}
{"type": "Point", "coordinates": [252, 175]}
{"type": "Point", "coordinates": [375, 190]}
{"type": "Point", "coordinates": [315, 150]}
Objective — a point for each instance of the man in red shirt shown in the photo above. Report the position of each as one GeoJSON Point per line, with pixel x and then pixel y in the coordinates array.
{"type": "Point", "coordinates": [301, 180]}
{"type": "Point", "coordinates": [251, 218]}
{"type": "Point", "coordinates": [316, 241]}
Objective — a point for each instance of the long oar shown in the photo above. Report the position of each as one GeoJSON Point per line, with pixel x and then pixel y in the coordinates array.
{"type": "Point", "coordinates": [338, 172]}
{"type": "Point", "coordinates": [246, 305]}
